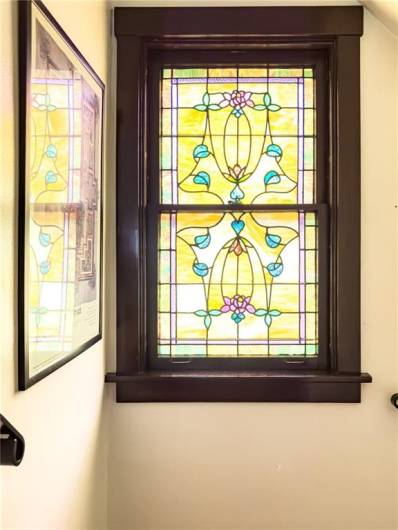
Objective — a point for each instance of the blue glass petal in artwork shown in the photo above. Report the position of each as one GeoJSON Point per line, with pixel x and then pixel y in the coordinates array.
{"type": "Point", "coordinates": [275, 269]}
{"type": "Point", "coordinates": [201, 313]}
{"type": "Point", "coordinates": [207, 321]}
{"type": "Point", "coordinates": [51, 177]}
{"type": "Point", "coordinates": [268, 320]}
{"type": "Point", "coordinates": [201, 269]}
{"type": "Point", "coordinates": [215, 312]}
{"type": "Point", "coordinates": [44, 239]}
{"type": "Point", "coordinates": [274, 150]}
{"type": "Point", "coordinates": [237, 194]}
{"type": "Point", "coordinates": [51, 151]}
{"type": "Point", "coordinates": [200, 107]}
{"type": "Point", "coordinates": [202, 178]}
{"type": "Point", "coordinates": [272, 177]}
{"type": "Point", "coordinates": [272, 240]}
{"type": "Point", "coordinates": [44, 267]}
{"type": "Point", "coordinates": [206, 98]}
{"type": "Point", "coordinates": [201, 151]}
{"type": "Point", "coordinates": [273, 107]}
{"type": "Point", "coordinates": [203, 241]}
{"type": "Point", "coordinates": [237, 226]}
{"type": "Point", "coordinates": [260, 312]}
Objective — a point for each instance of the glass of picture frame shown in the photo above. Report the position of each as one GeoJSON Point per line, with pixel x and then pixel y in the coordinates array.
{"type": "Point", "coordinates": [60, 198]}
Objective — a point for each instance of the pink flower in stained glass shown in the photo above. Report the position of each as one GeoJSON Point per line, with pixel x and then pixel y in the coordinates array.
{"type": "Point", "coordinates": [237, 99]}
{"type": "Point", "coordinates": [238, 305]}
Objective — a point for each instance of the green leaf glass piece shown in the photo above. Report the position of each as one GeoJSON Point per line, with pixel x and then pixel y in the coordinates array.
{"type": "Point", "coordinates": [200, 107]}
{"type": "Point", "coordinates": [202, 178]}
{"type": "Point", "coordinates": [267, 99]}
{"type": "Point", "coordinates": [268, 320]}
{"type": "Point", "coordinates": [275, 313]}
{"type": "Point", "coordinates": [215, 312]}
{"type": "Point", "coordinates": [200, 313]}
{"type": "Point", "coordinates": [272, 240]}
{"type": "Point", "coordinates": [214, 106]}
{"type": "Point", "coordinates": [206, 98]}
{"type": "Point", "coordinates": [201, 269]}
{"type": "Point", "coordinates": [260, 312]}
{"type": "Point", "coordinates": [272, 177]}
{"type": "Point", "coordinates": [207, 321]}
{"type": "Point", "coordinates": [273, 107]}
{"type": "Point", "coordinates": [203, 241]}
{"type": "Point", "coordinates": [201, 151]}
{"type": "Point", "coordinates": [259, 107]}
{"type": "Point", "coordinates": [275, 269]}
{"type": "Point", "coordinates": [274, 150]}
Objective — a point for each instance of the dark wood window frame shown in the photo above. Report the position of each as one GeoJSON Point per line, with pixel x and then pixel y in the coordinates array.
{"type": "Point", "coordinates": [334, 32]}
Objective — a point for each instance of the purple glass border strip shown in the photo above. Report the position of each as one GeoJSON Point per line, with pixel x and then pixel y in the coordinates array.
{"type": "Point", "coordinates": [221, 80]}
{"type": "Point", "coordinates": [45, 81]}
{"type": "Point", "coordinates": [174, 142]}
{"type": "Point", "coordinates": [242, 342]}
{"type": "Point", "coordinates": [302, 316]}
{"type": "Point", "coordinates": [173, 286]}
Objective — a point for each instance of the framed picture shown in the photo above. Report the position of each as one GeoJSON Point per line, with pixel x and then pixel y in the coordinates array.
{"type": "Point", "coordinates": [60, 212]}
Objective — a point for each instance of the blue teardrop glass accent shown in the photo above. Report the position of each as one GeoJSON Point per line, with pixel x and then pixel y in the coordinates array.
{"type": "Point", "coordinates": [202, 178]}
{"type": "Point", "coordinates": [201, 269]}
{"type": "Point", "coordinates": [275, 269]}
{"type": "Point", "coordinates": [51, 151]}
{"type": "Point", "coordinates": [237, 226]}
{"type": "Point", "coordinates": [272, 240]}
{"type": "Point", "coordinates": [44, 239]}
{"type": "Point", "coordinates": [203, 241]}
{"type": "Point", "coordinates": [51, 177]}
{"type": "Point", "coordinates": [274, 150]}
{"type": "Point", "coordinates": [201, 151]}
{"type": "Point", "coordinates": [44, 267]}
{"type": "Point", "coordinates": [272, 177]}
{"type": "Point", "coordinates": [237, 194]}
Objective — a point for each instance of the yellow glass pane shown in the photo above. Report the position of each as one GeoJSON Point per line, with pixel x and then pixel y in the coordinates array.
{"type": "Point", "coordinates": [237, 283]}
{"type": "Point", "coordinates": [237, 135]}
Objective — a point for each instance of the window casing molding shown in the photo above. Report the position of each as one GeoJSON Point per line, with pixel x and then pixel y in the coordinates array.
{"type": "Point", "coordinates": [333, 31]}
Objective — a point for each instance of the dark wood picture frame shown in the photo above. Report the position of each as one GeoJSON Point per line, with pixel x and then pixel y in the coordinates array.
{"type": "Point", "coordinates": [334, 30]}
{"type": "Point", "coordinates": [25, 379]}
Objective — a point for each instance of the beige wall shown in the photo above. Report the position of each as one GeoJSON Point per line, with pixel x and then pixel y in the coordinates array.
{"type": "Point", "coordinates": [206, 466]}
{"type": "Point", "coordinates": [61, 483]}
{"type": "Point", "coordinates": [286, 466]}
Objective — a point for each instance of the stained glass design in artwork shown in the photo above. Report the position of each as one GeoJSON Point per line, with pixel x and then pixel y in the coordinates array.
{"type": "Point", "coordinates": [233, 282]}
{"type": "Point", "coordinates": [63, 194]}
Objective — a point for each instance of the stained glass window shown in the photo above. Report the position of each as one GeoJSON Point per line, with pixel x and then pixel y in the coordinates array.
{"type": "Point", "coordinates": [237, 242]}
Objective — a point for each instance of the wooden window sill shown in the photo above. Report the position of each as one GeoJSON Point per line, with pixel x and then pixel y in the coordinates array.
{"type": "Point", "coordinates": [243, 386]}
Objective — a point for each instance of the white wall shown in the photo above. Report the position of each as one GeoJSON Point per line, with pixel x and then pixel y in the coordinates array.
{"type": "Point", "coordinates": [286, 466]}
{"type": "Point", "coordinates": [61, 483]}
{"type": "Point", "coordinates": [206, 466]}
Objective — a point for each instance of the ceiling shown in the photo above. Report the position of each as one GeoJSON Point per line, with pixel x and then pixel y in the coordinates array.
{"type": "Point", "coordinates": [384, 10]}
